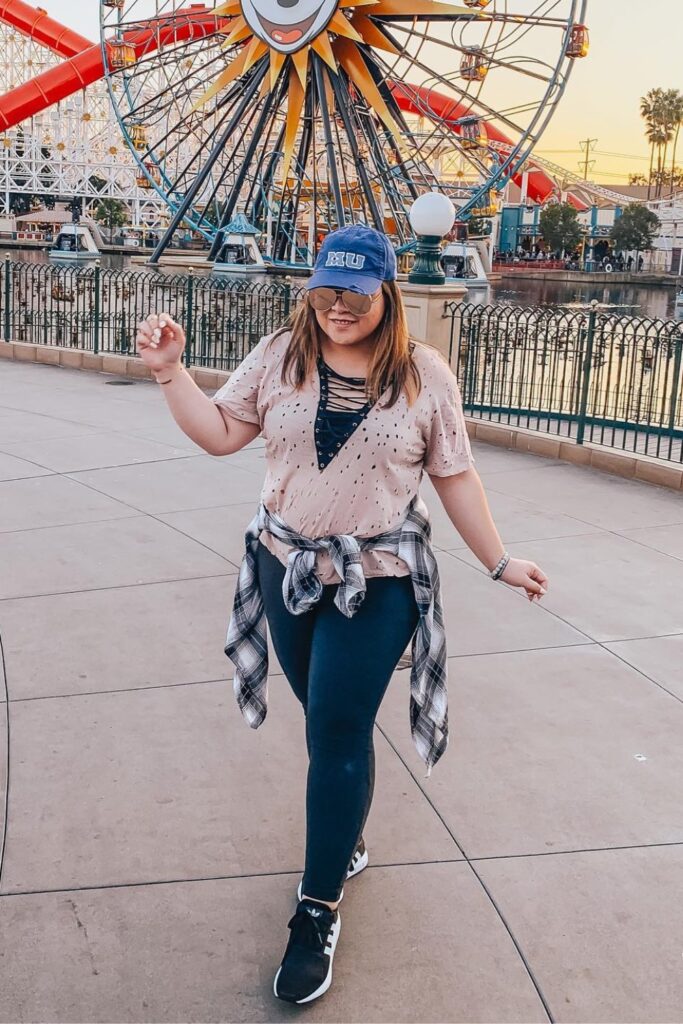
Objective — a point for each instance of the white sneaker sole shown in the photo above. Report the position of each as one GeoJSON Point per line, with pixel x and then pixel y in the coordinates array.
{"type": "Point", "coordinates": [358, 867]}
{"type": "Point", "coordinates": [332, 940]}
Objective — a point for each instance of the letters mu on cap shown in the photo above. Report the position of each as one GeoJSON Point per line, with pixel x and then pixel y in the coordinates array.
{"type": "Point", "coordinates": [353, 260]}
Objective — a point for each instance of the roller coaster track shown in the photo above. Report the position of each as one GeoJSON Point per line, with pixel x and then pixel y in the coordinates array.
{"type": "Point", "coordinates": [36, 24]}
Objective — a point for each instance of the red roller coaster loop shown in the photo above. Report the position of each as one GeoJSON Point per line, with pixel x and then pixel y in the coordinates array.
{"type": "Point", "coordinates": [86, 66]}
{"type": "Point", "coordinates": [37, 24]}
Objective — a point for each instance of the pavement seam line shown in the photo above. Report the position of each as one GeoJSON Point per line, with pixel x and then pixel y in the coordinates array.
{"type": "Point", "coordinates": [65, 526]}
{"type": "Point", "coordinates": [162, 522]}
{"type": "Point", "coordinates": [5, 796]}
{"type": "Point", "coordinates": [119, 586]}
{"type": "Point", "coordinates": [205, 878]}
{"type": "Point", "coordinates": [125, 689]}
{"type": "Point", "coordinates": [593, 641]}
{"type": "Point", "coordinates": [142, 512]}
{"type": "Point", "coordinates": [650, 547]}
{"type": "Point", "coordinates": [640, 671]}
{"type": "Point", "coordinates": [200, 508]}
{"type": "Point", "coordinates": [595, 526]}
{"type": "Point", "coordinates": [297, 873]}
{"type": "Point", "coordinates": [518, 596]}
{"type": "Point", "coordinates": [201, 682]}
{"type": "Point", "coordinates": [578, 850]}
{"type": "Point", "coordinates": [530, 540]}
{"type": "Point", "coordinates": [69, 473]}
{"type": "Point", "coordinates": [532, 977]}
{"type": "Point", "coordinates": [31, 476]}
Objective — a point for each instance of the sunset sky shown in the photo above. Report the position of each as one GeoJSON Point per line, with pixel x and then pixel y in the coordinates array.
{"type": "Point", "coordinates": [634, 47]}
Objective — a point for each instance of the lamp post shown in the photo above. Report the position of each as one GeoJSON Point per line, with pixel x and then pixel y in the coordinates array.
{"type": "Point", "coordinates": [431, 216]}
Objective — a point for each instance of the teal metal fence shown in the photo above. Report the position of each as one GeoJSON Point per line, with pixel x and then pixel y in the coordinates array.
{"type": "Point", "coordinates": [581, 374]}
{"type": "Point", "coordinates": [97, 309]}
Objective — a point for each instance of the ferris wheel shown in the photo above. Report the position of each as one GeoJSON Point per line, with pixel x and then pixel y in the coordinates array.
{"type": "Point", "coordinates": [305, 115]}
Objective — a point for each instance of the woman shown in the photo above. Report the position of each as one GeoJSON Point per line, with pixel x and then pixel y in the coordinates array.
{"type": "Point", "coordinates": [338, 558]}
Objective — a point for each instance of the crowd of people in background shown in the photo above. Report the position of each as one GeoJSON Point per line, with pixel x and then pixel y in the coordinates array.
{"type": "Point", "coordinates": [603, 261]}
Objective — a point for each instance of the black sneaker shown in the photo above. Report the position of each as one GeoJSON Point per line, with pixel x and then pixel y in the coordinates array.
{"type": "Point", "coordinates": [306, 968]}
{"type": "Point", "coordinates": [359, 861]}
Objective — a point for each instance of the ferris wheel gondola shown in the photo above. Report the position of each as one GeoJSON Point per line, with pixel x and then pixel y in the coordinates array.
{"type": "Point", "coordinates": [311, 114]}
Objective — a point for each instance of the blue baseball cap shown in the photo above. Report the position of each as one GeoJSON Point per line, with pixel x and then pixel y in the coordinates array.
{"type": "Point", "coordinates": [357, 258]}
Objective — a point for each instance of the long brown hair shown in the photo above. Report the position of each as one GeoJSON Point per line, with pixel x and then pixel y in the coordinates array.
{"type": "Point", "coordinates": [391, 365]}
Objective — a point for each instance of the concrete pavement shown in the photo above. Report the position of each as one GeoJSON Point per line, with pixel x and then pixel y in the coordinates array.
{"type": "Point", "coordinates": [154, 842]}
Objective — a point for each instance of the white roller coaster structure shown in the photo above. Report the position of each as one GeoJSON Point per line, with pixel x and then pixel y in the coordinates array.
{"type": "Point", "coordinates": [74, 148]}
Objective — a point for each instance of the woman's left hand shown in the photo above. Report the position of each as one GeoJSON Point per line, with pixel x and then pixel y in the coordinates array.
{"type": "Point", "coordinates": [520, 573]}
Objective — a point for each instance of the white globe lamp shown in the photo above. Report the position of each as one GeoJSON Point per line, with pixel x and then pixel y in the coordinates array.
{"type": "Point", "coordinates": [431, 216]}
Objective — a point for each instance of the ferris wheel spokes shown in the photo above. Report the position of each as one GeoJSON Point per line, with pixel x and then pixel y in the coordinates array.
{"type": "Point", "coordinates": [270, 102]}
{"type": "Point", "coordinates": [212, 157]}
{"type": "Point", "coordinates": [350, 126]}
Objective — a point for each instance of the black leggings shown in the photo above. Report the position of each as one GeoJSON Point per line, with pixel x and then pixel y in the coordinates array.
{"type": "Point", "coordinates": [339, 670]}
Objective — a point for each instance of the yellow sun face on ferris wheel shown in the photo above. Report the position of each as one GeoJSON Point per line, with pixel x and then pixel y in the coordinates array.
{"type": "Point", "coordinates": [288, 30]}
{"type": "Point", "coordinates": [287, 25]}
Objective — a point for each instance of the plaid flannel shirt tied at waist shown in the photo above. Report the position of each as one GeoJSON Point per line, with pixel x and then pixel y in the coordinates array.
{"type": "Point", "coordinates": [246, 643]}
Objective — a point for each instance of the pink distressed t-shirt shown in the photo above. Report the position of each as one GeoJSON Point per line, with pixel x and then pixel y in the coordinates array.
{"type": "Point", "coordinates": [367, 486]}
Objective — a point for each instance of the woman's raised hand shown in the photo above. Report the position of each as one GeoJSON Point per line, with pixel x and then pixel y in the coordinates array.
{"type": "Point", "coordinates": [520, 573]}
{"type": "Point", "coordinates": [160, 342]}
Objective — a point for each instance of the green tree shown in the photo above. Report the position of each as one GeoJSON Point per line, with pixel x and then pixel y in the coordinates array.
{"type": "Point", "coordinates": [635, 229]}
{"type": "Point", "coordinates": [673, 178]}
{"type": "Point", "coordinates": [112, 212]}
{"type": "Point", "coordinates": [560, 228]}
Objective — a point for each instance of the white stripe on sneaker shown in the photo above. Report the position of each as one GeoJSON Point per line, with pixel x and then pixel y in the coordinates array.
{"type": "Point", "coordinates": [334, 938]}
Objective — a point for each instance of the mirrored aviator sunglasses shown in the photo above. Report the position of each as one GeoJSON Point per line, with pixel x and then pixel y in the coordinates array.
{"type": "Point", "coordinates": [323, 299]}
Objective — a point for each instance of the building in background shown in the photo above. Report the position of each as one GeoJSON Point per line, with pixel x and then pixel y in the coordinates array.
{"type": "Point", "coordinates": [519, 228]}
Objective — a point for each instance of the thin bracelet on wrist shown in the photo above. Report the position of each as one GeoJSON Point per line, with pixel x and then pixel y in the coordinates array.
{"type": "Point", "coordinates": [499, 568]}
{"type": "Point", "coordinates": [169, 381]}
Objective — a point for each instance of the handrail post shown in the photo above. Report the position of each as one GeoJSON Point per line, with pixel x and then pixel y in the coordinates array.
{"type": "Point", "coordinates": [676, 383]}
{"type": "Point", "coordinates": [189, 315]}
{"type": "Point", "coordinates": [454, 310]}
{"type": "Point", "coordinates": [288, 294]}
{"type": "Point", "coordinates": [586, 373]}
{"type": "Point", "coordinates": [8, 298]}
{"type": "Point", "coordinates": [96, 330]}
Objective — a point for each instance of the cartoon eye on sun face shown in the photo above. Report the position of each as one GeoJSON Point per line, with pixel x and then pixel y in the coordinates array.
{"type": "Point", "coordinates": [287, 25]}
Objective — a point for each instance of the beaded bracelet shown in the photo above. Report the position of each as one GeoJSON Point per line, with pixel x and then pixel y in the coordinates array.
{"type": "Point", "coordinates": [499, 569]}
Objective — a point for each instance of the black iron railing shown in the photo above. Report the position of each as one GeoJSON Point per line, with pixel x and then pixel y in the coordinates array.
{"type": "Point", "coordinates": [97, 309]}
{"type": "Point", "coordinates": [582, 374]}
{"type": "Point", "coordinates": [585, 375]}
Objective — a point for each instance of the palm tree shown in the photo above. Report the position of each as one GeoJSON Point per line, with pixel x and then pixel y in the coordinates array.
{"type": "Point", "coordinates": [667, 113]}
{"type": "Point", "coordinates": [650, 105]}
{"type": "Point", "coordinates": [662, 136]}
{"type": "Point", "coordinates": [674, 106]}
{"type": "Point", "coordinates": [651, 109]}
{"type": "Point", "coordinates": [656, 137]}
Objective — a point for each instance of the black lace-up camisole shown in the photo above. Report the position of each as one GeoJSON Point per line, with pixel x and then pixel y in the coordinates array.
{"type": "Point", "coordinates": [342, 408]}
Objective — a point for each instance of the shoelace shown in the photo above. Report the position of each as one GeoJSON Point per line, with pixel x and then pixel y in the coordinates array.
{"type": "Point", "coordinates": [310, 931]}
